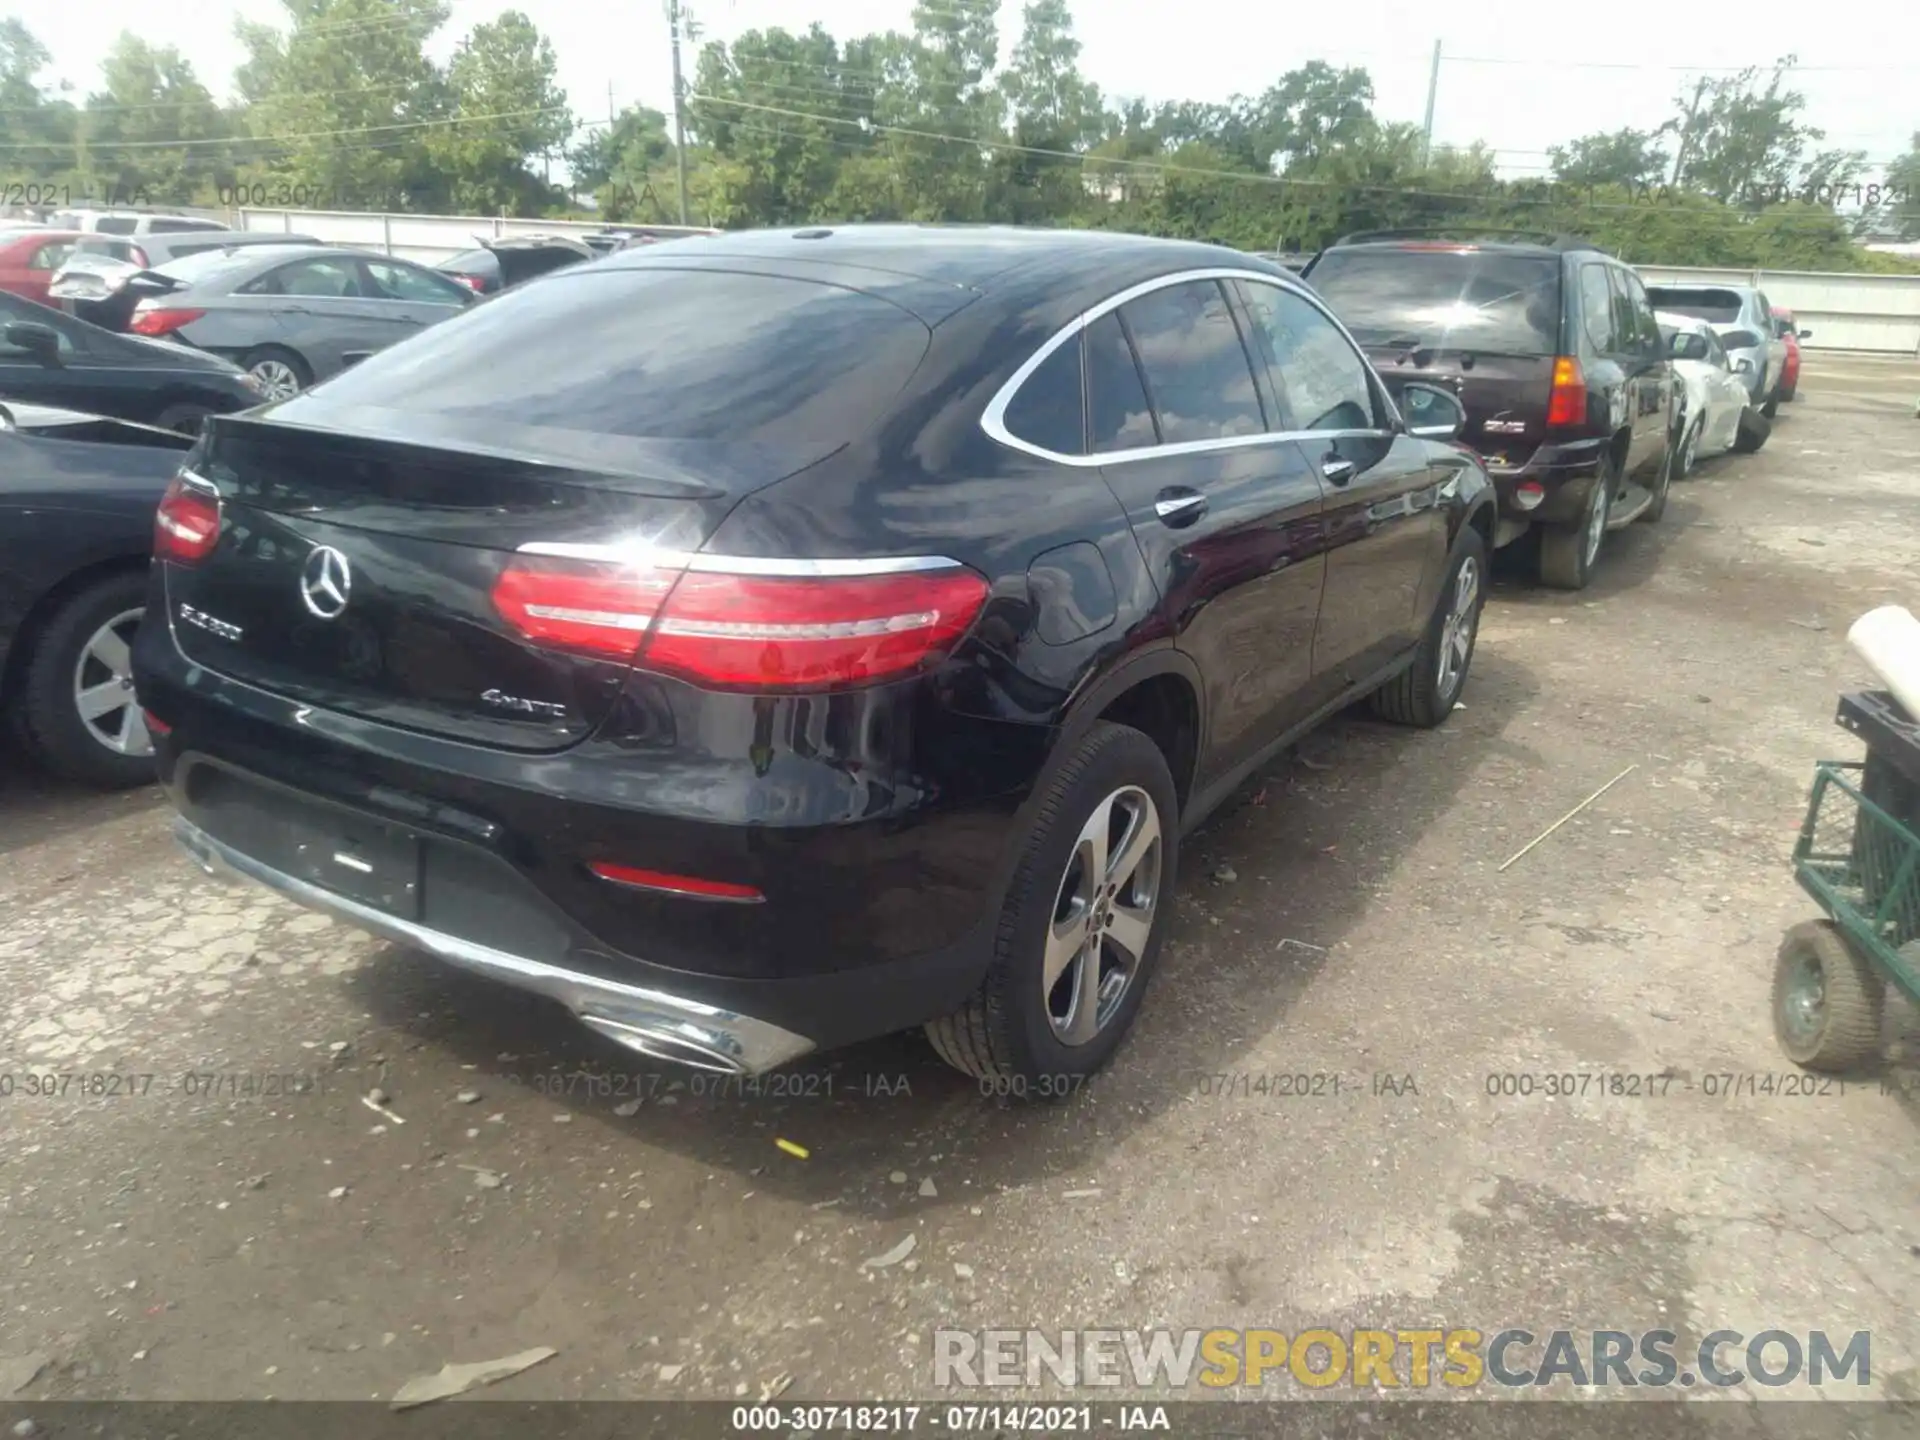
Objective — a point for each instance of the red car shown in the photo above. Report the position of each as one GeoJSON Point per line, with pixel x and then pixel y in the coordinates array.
{"type": "Point", "coordinates": [1783, 326]}
{"type": "Point", "coordinates": [28, 258]}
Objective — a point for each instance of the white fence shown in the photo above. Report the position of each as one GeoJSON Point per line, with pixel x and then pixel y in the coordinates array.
{"type": "Point", "coordinates": [426, 238]}
{"type": "Point", "coordinates": [1875, 314]}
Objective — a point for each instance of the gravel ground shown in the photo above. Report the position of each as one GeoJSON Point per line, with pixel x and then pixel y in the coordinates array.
{"type": "Point", "coordinates": [1344, 917]}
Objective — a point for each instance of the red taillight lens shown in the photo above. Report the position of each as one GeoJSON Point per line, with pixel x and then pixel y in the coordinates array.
{"type": "Point", "coordinates": [1568, 403]}
{"type": "Point", "coordinates": [155, 723]}
{"type": "Point", "coordinates": [161, 322]}
{"type": "Point", "coordinates": [597, 608]}
{"type": "Point", "coordinates": [687, 885]}
{"type": "Point", "coordinates": [781, 633]}
{"type": "Point", "coordinates": [472, 282]}
{"type": "Point", "coordinates": [187, 525]}
{"type": "Point", "coordinates": [753, 632]}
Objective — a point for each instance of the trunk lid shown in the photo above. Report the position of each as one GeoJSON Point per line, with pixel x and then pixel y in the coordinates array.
{"type": "Point", "coordinates": [1505, 396]}
{"type": "Point", "coordinates": [355, 572]}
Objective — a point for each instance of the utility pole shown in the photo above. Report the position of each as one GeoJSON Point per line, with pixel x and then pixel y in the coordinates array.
{"type": "Point", "coordinates": [1686, 134]}
{"type": "Point", "coordinates": [679, 106]}
{"type": "Point", "coordinates": [1433, 88]}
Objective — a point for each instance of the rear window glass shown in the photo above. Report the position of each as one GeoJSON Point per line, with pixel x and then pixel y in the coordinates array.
{"type": "Point", "coordinates": [1049, 409]}
{"type": "Point", "coordinates": [1489, 301]}
{"type": "Point", "coordinates": [207, 265]}
{"type": "Point", "coordinates": [117, 224]}
{"type": "Point", "coordinates": [656, 353]}
{"type": "Point", "coordinates": [472, 262]}
{"type": "Point", "coordinates": [1716, 307]}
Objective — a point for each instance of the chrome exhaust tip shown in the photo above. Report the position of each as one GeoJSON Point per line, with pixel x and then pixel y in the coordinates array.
{"type": "Point", "coordinates": [677, 1042]}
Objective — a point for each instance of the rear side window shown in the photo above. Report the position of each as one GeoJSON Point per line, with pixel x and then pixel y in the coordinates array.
{"type": "Point", "coordinates": [117, 224]}
{"type": "Point", "coordinates": [1646, 329]}
{"type": "Point", "coordinates": [1716, 307]}
{"type": "Point", "coordinates": [1491, 301]}
{"type": "Point", "coordinates": [1049, 410]}
{"type": "Point", "coordinates": [659, 354]}
{"type": "Point", "coordinates": [51, 257]}
{"type": "Point", "coordinates": [1596, 308]}
{"type": "Point", "coordinates": [1120, 417]}
{"type": "Point", "coordinates": [1197, 371]}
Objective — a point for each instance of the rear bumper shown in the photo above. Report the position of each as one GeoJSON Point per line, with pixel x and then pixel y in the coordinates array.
{"type": "Point", "coordinates": [653, 1022]}
{"type": "Point", "coordinates": [1565, 473]}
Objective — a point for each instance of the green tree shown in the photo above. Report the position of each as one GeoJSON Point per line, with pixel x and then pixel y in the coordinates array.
{"type": "Point", "coordinates": [349, 96]}
{"type": "Point", "coordinates": [624, 163]}
{"type": "Point", "coordinates": [507, 115]}
{"type": "Point", "coordinates": [1616, 157]}
{"type": "Point", "coordinates": [152, 97]}
{"type": "Point", "coordinates": [1741, 138]}
{"type": "Point", "coordinates": [1310, 113]}
{"type": "Point", "coordinates": [1054, 113]}
{"type": "Point", "coordinates": [1903, 178]}
{"type": "Point", "coordinates": [37, 131]}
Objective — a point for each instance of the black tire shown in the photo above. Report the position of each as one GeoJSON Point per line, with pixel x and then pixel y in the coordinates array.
{"type": "Point", "coordinates": [1662, 487]}
{"type": "Point", "coordinates": [1004, 1033]}
{"type": "Point", "coordinates": [1771, 408]}
{"type": "Point", "coordinates": [184, 418]}
{"type": "Point", "coordinates": [302, 371]}
{"type": "Point", "coordinates": [49, 720]}
{"type": "Point", "coordinates": [1845, 1033]}
{"type": "Point", "coordinates": [1787, 397]}
{"type": "Point", "coordinates": [1417, 695]}
{"type": "Point", "coordinates": [1752, 432]}
{"type": "Point", "coordinates": [1568, 552]}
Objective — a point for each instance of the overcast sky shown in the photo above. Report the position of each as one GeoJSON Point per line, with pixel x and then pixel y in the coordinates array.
{"type": "Point", "coordinates": [1564, 71]}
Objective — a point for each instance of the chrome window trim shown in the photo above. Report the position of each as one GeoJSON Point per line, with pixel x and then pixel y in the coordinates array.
{"type": "Point", "coordinates": [994, 420]}
{"type": "Point", "coordinates": [740, 564]}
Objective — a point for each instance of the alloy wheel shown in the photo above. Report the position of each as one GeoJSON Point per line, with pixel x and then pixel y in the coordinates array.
{"type": "Point", "coordinates": [1458, 629]}
{"type": "Point", "coordinates": [276, 377]}
{"type": "Point", "coordinates": [1690, 450]}
{"type": "Point", "coordinates": [103, 688]}
{"type": "Point", "coordinates": [1804, 1004]}
{"type": "Point", "coordinates": [1103, 915]}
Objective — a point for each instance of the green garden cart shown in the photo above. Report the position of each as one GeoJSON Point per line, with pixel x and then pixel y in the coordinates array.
{"type": "Point", "coordinates": [1858, 856]}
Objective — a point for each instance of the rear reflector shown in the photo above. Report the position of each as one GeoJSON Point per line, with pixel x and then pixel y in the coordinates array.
{"type": "Point", "coordinates": [743, 631]}
{"type": "Point", "coordinates": [187, 525]}
{"type": "Point", "coordinates": [1568, 404]}
{"type": "Point", "coordinates": [1529, 493]}
{"type": "Point", "coordinates": [161, 322]}
{"type": "Point", "coordinates": [155, 723]}
{"type": "Point", "coordinates": [687, 885]}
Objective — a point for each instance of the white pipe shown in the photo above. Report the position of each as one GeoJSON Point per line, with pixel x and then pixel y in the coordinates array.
{"type": "Point", "coordinates": [1888, 639]}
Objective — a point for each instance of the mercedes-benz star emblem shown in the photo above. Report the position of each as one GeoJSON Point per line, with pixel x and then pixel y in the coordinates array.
{"type": "Point", "coordinates": [325, 582]}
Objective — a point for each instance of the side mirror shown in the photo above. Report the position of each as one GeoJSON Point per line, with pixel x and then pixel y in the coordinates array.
{"type": "Point", "coordinates": [42, 342]}
{"type": "Point", "coordinates": [1432, 413]}
{"type": "Point", "coordinates": [1806, 335]}
{"type": "Point", "coordinates": [1743, 366]}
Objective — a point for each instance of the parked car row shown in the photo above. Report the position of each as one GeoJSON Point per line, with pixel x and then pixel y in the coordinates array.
{"type": "Point", "coordinates": [773, 642]}
{"type": "Point", "coordinates": [1586, 391]}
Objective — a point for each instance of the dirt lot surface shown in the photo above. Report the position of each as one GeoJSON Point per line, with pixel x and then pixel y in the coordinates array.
{"type": "Point", "coordinates": [206, 1234]}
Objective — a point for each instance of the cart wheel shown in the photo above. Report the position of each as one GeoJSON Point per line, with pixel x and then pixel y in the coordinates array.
{"type": "Point", "coordinates": [1827, 999]}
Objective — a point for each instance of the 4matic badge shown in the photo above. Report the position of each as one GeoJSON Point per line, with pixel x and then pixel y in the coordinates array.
{"type": "Point", "coordinates": [502, 701]}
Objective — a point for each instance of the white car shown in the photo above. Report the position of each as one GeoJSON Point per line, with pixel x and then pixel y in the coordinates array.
{"type": "Point", "coordinates": [133, 222]}
{"type": "Point", "coordinates": [1717, 413]}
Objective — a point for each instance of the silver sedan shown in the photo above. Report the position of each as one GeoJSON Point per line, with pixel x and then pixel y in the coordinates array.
{"type": "Point", "coordinates": [294, 314]}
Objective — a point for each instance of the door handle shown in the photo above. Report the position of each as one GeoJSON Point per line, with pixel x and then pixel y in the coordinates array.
{"type": "Point", "coordinates": [1179, 507]}
{"type": "Point", "coordinates": [1337, 472]}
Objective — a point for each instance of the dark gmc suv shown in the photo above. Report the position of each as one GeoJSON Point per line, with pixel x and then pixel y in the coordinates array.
{"type": "Point", "coordinates": [845, 648]}
{"type": "Point", "coordinates": [1552, 348]}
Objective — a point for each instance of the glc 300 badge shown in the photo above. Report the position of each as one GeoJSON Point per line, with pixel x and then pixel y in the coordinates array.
{"type": "Point", "coordinates": [225, 629]}
{"type": "Point", "coordinates": [502, 701]}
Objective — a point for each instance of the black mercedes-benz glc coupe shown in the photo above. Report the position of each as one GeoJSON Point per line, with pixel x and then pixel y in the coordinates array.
{"type": "Point", "coordinates": [768, 641]}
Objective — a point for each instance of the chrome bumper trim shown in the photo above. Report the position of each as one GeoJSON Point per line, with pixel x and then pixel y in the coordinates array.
{"type": "Point", "coordinates": [656, 1024]}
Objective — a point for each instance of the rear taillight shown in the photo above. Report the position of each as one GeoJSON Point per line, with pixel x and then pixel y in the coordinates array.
{"type": "Point", "coordinates": [472, 282]}
{"type": "Point", "coordinates": [187, 525]}
{"type": "Point", "coordinates": [160, 321]}
{"type": "Point", "coordinates": [137, 256]}
{"type": "Point", "coordinates": [690, 886]}
{"type": "Point", "coordinates": [745, 631]}
{"type": "Point", "coordinates": [1567, 406]}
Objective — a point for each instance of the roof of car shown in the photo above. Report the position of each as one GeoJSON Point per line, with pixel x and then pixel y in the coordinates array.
{"type": "Point", "coordinates": [965, 256]}
{"type": "Point", "coordinates": [1682, 322]}
{"type": "Point", "coordinates": [1469, 238]}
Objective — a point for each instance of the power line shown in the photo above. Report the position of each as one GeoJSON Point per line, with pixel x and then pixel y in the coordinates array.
{"type": "Point", "coordinates": [408, 125]}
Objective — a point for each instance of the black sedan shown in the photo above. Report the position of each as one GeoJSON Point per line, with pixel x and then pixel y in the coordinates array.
{"type": "Point", "coordinates": [77, 500]}
{"type": "Point", "coordinates": [51, 358]}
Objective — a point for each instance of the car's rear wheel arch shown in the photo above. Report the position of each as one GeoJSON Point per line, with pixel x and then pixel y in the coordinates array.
{"type": "Point", "coordinates": [33, 625]}
{"type": "Point", "coordinates": [1157, 693]}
